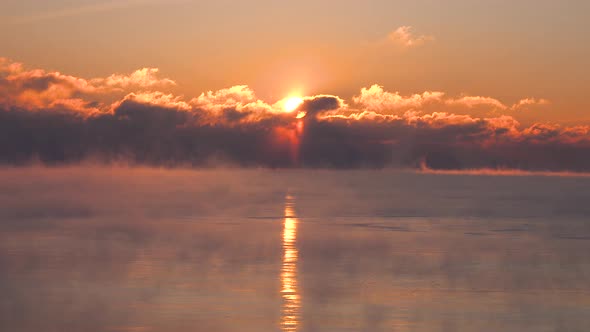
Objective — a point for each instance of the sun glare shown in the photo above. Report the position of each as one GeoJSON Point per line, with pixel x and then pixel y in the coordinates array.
{"type": "Point", "coordinates": [292, 103]}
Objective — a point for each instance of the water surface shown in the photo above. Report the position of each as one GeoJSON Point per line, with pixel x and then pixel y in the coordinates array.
{"type": "Point", "coordinates": [99, 249]}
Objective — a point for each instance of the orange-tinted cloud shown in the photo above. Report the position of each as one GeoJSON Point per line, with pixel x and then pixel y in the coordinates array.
{"type": "Point", "coordinates": [376, 99]}
{"type": "Point", "coordinates": [528, 103]}
{"type": "Point", "coordinates": [404, 37]}
{"type": "Point", "coordinates": [141, 78]}
{"type": "Point", "coordinates": [57, 118]}
{"type": "Point", "coordinates": [40, 89]}
{"type": "Point", "coordinates": [237, 102]}
{"type": "Point", "coordinates": [475, 101]}
{"type": "Point", "coordinates": [158, 99]}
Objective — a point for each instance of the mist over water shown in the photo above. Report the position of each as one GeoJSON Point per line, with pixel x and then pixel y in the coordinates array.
{"type": "Point", "coordinates": [139, 249]}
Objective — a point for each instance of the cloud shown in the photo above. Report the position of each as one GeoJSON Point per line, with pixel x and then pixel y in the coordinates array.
{"type": "Point", "coordinates": [239, 94]}
{"type": "Point", "coordinates": [475, 101]}
{"type": "Point", "coordinates": [37, 89]}
{"type": "Point", "coordinates": [528, 103]}
{"type": "Point", "coordinates": [376, 99]}
{"type": "Point", "coordinates": [404, 37]}
{"type": "Point", "coordinates": [158, 99]}
{"type": "Point", "coordinates": [46, 90]}
{"type": "Point", "coordinates": [54, 118]}
{"type": "Point", "coordinates": [317, 105]}
{"type": "Point", "coordinates": [144, 78]}
{"type": "Point", "coordinates": [239, 98]}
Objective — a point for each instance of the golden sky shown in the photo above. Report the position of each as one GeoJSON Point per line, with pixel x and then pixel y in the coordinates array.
{"type": "Point", "coordinates": [499, 49]}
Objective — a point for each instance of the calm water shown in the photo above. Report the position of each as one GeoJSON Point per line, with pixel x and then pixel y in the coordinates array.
{"type": "Point", "coordinates": [91, 249]}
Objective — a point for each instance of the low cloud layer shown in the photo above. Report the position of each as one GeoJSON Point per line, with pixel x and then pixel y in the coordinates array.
{"type": "Point", "coordinates": [54, 118]}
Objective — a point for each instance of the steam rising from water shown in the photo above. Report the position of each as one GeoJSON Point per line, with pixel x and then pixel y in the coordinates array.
{"type": "Point", "coordinates": [153, 250]}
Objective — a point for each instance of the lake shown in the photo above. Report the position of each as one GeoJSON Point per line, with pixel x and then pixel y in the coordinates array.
{"type": "Point", "coordinates": [137, 249]}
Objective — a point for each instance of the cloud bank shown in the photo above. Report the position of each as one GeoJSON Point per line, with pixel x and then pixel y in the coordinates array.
{"type": "Point", "coordinates": [55, 119]}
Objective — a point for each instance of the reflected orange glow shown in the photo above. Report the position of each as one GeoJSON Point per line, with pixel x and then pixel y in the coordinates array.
{"type": "Point", "coordinates": [290, 311]}
{"type": "Point", "coordinates": [289, 137]}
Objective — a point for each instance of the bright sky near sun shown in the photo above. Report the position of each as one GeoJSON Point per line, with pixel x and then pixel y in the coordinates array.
{"type": "Point", "coordinates": [505, 49]}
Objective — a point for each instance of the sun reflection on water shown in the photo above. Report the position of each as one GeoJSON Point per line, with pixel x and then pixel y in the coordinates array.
{"type": "Point", "coordinates": [290, 311]}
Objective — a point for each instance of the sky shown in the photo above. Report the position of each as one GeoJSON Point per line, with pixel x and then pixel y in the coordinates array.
{"type": "Point", "coordinates": [519, 67]}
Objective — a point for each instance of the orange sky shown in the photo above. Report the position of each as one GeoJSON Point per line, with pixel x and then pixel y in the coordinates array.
{"type": "Point", "coordinates": [496, 49]}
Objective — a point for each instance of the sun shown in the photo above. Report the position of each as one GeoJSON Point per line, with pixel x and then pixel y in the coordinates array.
{"type": "Point", "coordinates": [291, 103]}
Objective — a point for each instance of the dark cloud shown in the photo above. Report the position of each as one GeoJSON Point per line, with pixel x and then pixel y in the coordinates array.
{"type": "Point", "coordinates": [319, 104]}
{"type": "Point", "coordinates": [39, 83]}
{"type": "Point", "coordinates": [158, 135]}
{"type": "Point", "coordinates": [58, 119]}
